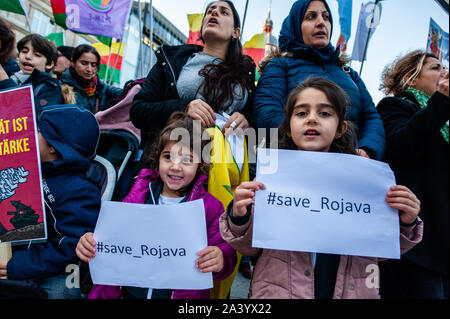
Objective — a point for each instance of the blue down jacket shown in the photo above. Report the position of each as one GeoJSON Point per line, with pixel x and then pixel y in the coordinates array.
{"type": "Point", "coordinates": [72, 201]}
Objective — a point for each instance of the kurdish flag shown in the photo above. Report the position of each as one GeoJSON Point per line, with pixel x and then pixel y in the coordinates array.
{"type": "Point", "coordinates": [59, 12]}
{"type": "Point", "coordinates": [111, 61]}
{"type": "Point", "coordinates": [195, 25]}
{"type": "Point", "coordinates": [256, 47]}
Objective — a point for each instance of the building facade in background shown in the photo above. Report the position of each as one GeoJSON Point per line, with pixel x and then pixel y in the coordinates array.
{"type": "Point", "coordinates": [164, 32]}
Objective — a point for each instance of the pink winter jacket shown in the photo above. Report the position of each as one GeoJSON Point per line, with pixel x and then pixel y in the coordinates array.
{"type": "Point", "coordinates": [213, 209]}
{"type": "Point", "coordinates": [280, 274]}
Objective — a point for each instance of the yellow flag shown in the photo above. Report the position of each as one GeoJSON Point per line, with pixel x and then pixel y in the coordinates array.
{"type": "Point", "coordinates": [224, 176]}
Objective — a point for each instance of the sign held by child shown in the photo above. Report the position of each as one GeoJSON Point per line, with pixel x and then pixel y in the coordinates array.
{"type": "Point", "coordinates": [134, 247]}
{"type": "Point", "coordinates": [338, 207]}
{"type": "Point", "coordinates": [22, 214]}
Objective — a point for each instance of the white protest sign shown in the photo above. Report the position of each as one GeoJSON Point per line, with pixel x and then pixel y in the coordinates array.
{"type": "Point", "coordinates": [326, 203]}
{"type": "Point", "coordinates": [150, 246]}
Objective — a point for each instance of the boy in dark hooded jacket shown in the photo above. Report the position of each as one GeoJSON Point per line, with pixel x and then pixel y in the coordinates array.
{"type": "Point", "coordinates": [68, 138]}
{"type": "Point", "coordinates": [37, 57]}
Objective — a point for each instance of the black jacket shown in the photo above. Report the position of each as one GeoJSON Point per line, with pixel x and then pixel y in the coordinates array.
{"type": "Point", "coordinates": [419, 157]}
{"type": "Point", "coordinates": [159, 98]}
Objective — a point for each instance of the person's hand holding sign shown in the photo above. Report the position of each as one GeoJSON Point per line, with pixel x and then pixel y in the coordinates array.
{"type": "Point", "coordinates": [403, 199]}
{"type": "Point", "coordinates": [245, 196]}
{"type": "Point", "coordinates": [86, 247]}
{"type": "Point", "coordinates": [210, 260]}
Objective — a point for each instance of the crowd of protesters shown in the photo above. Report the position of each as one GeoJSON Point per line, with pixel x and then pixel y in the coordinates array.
{"type": "Point", "coordinates": [304, 86]}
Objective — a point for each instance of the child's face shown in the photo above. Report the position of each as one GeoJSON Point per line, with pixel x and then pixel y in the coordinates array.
{"type": "Point", "coordinates": [177, 168]}
{"type": "Point", "coordinates": [29, 59]}
{"type": "Point", "coordinates": [314, 122]}
{"type": "Point", "coordinates": [46, 152]}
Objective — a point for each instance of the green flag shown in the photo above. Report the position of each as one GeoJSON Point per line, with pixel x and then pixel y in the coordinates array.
{"type": "Point", "coordinates": [105, 40]}
{"type": "Point", "coordinates": [15, 6]}
{"type": "Point", "coordinates": [56, 38]}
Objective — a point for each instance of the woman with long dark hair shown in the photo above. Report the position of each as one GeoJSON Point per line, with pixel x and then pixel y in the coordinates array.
{"type": "Point", "coordinates": [200, 80]}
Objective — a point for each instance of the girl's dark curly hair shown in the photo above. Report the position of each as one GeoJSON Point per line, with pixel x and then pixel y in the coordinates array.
{"type": "Point", "coordinates": [180, 121]}
{"type": "Point", "coordinates": [221, 80]}
{"type": "Point", "coordinates": [338, 99]}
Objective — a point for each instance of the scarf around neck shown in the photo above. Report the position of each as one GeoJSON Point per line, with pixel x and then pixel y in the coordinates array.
{"type": "Point", "coordinates": [422, 99]}
{"type": "Point", "coordinates": [20, 78]}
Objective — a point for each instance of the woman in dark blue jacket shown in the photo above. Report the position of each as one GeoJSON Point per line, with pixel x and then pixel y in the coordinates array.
{"type": "Point", "coordinates": [306, 51]}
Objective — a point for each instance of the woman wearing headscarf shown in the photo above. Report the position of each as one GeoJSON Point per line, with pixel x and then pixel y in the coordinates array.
{"type": "Point", "coordinates": [306, 51]}
{"type": "Point", "coordinates": [415, 117]}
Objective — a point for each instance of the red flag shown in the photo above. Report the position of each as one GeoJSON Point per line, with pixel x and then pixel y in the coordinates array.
{"type": "Point", "coordinates": [59, 12]}
{"type": "Point", "coordinates": [195, 25]}
{"type": "Point", "coordinates": [342, 42]}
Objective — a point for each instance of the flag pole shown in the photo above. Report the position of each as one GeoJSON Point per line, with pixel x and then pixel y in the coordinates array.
{"type": "Point", "coordinates": [151, 34]}
{"type": "Point", "coordinates": [368, 36]}
{"type": "Point", "coordinates": [26, 16]}
{"type": "Point", "coordinates": [115, 63]}
{"type": "Point", "coordinates": [141, 49]}
{"type": "Point", "coordinates": [120, 49]}
{"type": "Point", "coordinates": [243, 21]}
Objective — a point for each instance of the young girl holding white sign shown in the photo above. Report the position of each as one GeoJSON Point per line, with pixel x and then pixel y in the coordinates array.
{"type": "Point", "coordinates": [314, 122]}
{"type": "Point", "coordinates": [179, 176]}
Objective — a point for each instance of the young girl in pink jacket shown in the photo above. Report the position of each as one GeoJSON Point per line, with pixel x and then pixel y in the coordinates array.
{"type": "Point", "coordinates": [314, 122]}
{"type": "Point", "coordinates": [178, 176]}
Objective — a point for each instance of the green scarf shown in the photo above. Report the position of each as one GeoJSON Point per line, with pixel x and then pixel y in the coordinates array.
{"type": "Point", "coordinates": [422, 98]}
